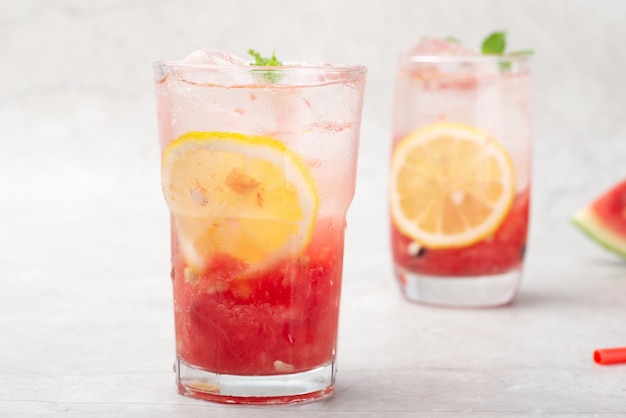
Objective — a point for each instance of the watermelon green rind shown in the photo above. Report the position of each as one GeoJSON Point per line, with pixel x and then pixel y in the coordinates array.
{"type": "Point", "coordinates": [589, 223]}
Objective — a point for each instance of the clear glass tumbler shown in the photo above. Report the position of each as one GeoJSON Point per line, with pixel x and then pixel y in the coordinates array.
{"type": "Point", "coordinates": [258, 171]}
{"type": "Point", "coordinates": [460, 178]}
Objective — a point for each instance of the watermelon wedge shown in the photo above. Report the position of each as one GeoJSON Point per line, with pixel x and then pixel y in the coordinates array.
{"type": "Point", "coordinates": [604, 219]}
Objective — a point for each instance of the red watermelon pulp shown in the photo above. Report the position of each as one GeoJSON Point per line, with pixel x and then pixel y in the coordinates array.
{"type": "Point", "coordinates": [604, 219]}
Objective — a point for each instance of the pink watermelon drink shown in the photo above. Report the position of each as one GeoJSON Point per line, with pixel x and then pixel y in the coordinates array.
{"type": "Point", "coordinates": [258, 171]}
{"type": "Point", "coordinates": [460, 174]}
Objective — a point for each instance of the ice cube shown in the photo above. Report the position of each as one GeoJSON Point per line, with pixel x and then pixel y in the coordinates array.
{"type": "Point", "coordinates": [213, 57]}
{"type": "Point", "coordinates": [440, 47]}
{"type": "Point", "coordinates": [222, 68]}
{"type": "Point", "coordinates": [462, 74]}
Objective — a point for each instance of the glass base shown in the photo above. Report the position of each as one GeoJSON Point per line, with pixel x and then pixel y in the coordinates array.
{"type": "Point", "coordinates": [463, 292]}
{"type": "Point", "coordinates": [270, 389]}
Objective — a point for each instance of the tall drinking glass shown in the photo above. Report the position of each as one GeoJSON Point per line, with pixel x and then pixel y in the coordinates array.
{"type": "Point", "coordinates": [258, 171]}
{"type": "Point", "coordinates": [460, 178]}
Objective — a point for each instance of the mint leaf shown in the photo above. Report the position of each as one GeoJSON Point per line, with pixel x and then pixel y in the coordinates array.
{"type": "Point", "coordinates": [453, 40]}
{"type": "Point", "coordinates": [271, 76]}
{"type": "Point", "coordinates": [494, 44]}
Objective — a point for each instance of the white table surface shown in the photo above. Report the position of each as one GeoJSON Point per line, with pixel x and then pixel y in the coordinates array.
{"type": "Point", "coordinates": [86, 323]}
{"type": "Point", "coordinates": [86, 311]}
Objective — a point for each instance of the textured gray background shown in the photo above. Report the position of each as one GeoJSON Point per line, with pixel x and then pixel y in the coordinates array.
{"type": "Point", "coordinates": [77, 94]}
{"type": "Point", "coordinates": [83, 229]}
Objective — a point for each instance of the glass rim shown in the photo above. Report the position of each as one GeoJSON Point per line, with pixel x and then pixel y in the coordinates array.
{"type": "Point", "coordinates": [284, 76]}
{"type": "Point", "coordinates": [418, 58]}
{"type": "Point", "coordinates": [287, 67]}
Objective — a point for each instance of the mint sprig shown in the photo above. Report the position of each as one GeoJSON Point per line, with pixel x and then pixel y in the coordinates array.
{"type": "Point", "coordinates": [265, 62]}
{"type": "Point", "coordinates": [495, 44]}
{"type": "Point", "coordinates": [271, 76]}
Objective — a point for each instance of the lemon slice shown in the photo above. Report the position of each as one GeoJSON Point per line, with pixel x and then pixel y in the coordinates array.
{"type": "Point", "coordinates": [247, 196]}
{"type": "Point", "coordinates": [451, 185]}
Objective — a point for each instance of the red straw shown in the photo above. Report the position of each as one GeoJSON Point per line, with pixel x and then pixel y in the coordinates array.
{"type": "Point", "coordinates": [610, 355]}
